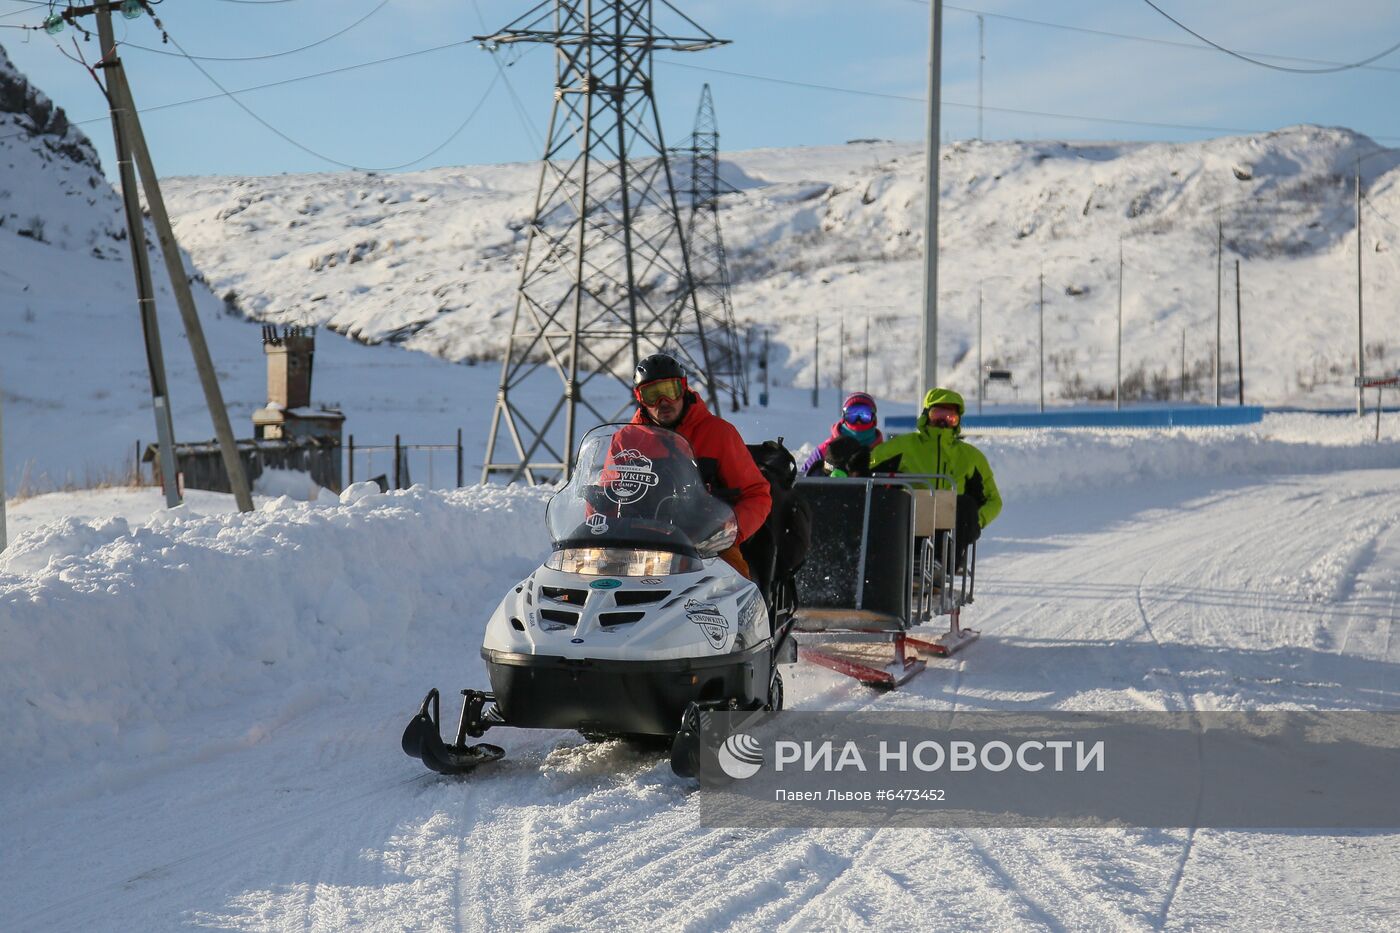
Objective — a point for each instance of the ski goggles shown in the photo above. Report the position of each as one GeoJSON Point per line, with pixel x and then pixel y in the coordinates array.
{"type": "Point", "coordinates": [859, 415]}
{"type": "Point", "coordinates": [651, 393]}
{"type": "Point", "coordinates": [943, 418]}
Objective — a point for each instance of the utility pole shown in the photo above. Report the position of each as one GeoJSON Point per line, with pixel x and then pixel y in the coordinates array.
{"type": "Point", "coordinates": [136, 239]}
{"type": "Point", "coordinates": [1042, 335]}
{"type": "Point", "coordinates": [1118, 379]}
{"type": "Point", "coordinates": [763, 400]}
{"type": "Point", "coordinates": [1183, 364]}
{"type": "Point", "coordinates": [841, 361]}
{"type": "Point", "coordinates": [1360, 334]}
{"type": "Point", "coordinates": [865, 375]}
{"type": "Point", "coordinates": [980, 378]}
{"type": "Point", "coordinates": [1219, 261]}
{"type": "Point", "coordinates": [3, 539]}
{"type": "Point", "coordinates": [928, 347]}
{"type": "Point", "coordinates": [133, 155]}
{"type": "Point", "coordinates": [981, 66]}
{"type": "Point", "coordinates": [1239, 331]}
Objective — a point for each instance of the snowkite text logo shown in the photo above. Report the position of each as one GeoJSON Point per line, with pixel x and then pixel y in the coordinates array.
{"type": "Point", "coordinates": [741, 756]}
{"type": "Point", "coordinates": [629, 478]}
{"type": "Point", "coordinates": [711, 622]}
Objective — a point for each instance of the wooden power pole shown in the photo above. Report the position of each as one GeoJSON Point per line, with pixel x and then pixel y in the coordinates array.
{"type": "Point", "coordinates": [131, 148]}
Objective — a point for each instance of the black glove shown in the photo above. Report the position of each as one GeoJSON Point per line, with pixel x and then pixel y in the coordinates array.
{"type": "Point", "coordinates": [848, 455]}
{"type": "Point", "coordinates": [969, 526]}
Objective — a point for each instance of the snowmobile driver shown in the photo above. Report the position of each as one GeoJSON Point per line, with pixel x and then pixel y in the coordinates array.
{"type": "Point", "coordinates": [936, 446]}
{"type": "Point", "coordinates": [664, 399]}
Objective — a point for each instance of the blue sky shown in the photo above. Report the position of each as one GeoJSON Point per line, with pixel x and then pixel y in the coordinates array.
{"type": "Point", "coordinates": [396, 112]}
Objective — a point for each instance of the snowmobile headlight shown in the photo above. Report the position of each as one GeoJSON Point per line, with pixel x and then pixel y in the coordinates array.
{"type": "Point", "coordinates": [620, 562]}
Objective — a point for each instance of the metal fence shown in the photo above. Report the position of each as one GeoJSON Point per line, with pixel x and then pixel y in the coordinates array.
{"type": "Point", "coordinates": [402, 461]}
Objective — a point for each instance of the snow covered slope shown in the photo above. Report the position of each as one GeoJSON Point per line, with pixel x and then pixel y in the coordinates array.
{"type": "Point", "coordinates": [72, 362]}
{"type": "Point", "coordinates": [429, 259]}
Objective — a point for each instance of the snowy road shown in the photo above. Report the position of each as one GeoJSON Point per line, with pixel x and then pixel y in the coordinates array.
{"type": "Point", "coordinates": [297, 811]}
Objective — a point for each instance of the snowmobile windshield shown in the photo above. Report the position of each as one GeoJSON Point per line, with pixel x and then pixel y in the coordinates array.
{"type": "Point", "coordinates": [636, 502]}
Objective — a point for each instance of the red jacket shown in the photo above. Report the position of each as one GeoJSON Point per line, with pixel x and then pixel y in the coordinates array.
{"type": "Point", "coordinates": [713, 438]}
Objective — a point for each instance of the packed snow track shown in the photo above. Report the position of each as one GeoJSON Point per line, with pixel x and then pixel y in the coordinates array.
{"type": "Point", "coordinates": [279, 800]}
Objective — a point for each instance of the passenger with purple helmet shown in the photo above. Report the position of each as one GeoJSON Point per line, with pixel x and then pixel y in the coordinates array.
{"type": "Point", "coordinates": [847, 451]}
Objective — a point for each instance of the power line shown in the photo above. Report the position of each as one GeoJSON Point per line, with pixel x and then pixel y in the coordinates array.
{"type": "Point", "coordinates": [1169, 43]}
{"type": "Point", "coordinates": [270, 84]}
{"type": "Point", "coordinates": [1254, 61]}
{"type": "Point", "coordinates": [1011, 110]}
{"type": "Point", "coordinates": [259, 58]}
{"type": "Point", "coordinates": [225, 92]}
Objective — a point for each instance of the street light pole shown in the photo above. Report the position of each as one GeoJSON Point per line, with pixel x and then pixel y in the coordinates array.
{"type": "Point", "coordinates": [928, 347]}
{"type": "Point", "coordinates": [1360, 341]}
{"type": "Point", "coordinates": [980, 378]}
{"type": "Point", "coordinates": [1118, 379]}
{"type": "Point", "coordinates": [1219, 262]}
{"type": "Point", "coordinates": [1042, 335]}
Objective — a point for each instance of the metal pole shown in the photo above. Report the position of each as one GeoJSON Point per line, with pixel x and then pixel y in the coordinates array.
{"type": "Point", "coordinates": [1239, 332]}
{"type": "Point", "coordinates": [865, 373]}
{"type": "Point", "coordinates": [1360, 339]}
{"type": "Point", "coordinates": [145, 291]}
{"type": "Point", "coordinates": [928, 346]}
{"type": "Point", "coordinates": [398, 459]}
{"type": "Point", "coordinates": [180, 285]}
{"type": "Point", "coordinates": [460, 462]}
{"type": "Point", "coordinates": [1219, 261]}
{"type": "Point", "coordinates": [1118, 378]}
{"type": "Point", "coordinates": [3, 538]}
{"type": "Point", "coordinates": [841, 361]}
{"type": "Point", "coordinates": [1183, 364]}
{"type": "Point", "coordinates": [816, 363]}
{"type": "Point", "coordinates": [1042, 336]}
{"type": "Point", "coordinates": [981, 66]}
{"type": "Point", "coordinates": [764, 401]}
{"type": "Point", "coordinates": [981, 378]}
{"type": "Point", "coordinates": [351, 458]}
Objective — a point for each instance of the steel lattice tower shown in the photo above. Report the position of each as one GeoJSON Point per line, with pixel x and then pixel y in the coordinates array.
{"type": "Point", "coordinates": [606, 276]}
{"type": "Point", "coordinates": [708, 263]}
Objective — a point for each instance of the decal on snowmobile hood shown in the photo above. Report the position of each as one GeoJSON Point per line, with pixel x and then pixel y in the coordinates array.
{"type": "Point", "coordinates": [605, 584]}
{"type": "Point", "coordinates": [711, 622]}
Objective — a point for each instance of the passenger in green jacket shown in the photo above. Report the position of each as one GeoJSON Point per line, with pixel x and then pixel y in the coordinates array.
{"type": "Point", "coordinates": [936, 446]}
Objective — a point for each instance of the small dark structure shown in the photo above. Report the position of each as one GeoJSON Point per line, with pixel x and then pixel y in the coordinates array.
{"type": "Point", "coordinates": [289, 434]}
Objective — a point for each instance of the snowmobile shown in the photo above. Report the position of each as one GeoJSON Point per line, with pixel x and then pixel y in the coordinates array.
{"type": "Point", "coordinates": [633, 627]}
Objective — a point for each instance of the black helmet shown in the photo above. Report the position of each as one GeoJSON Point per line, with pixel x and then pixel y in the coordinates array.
{"type": "Point", "coordinates": [657, 366]}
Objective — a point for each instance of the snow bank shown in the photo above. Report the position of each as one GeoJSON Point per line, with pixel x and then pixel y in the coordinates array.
{"type": "Point", "coordinates": [1030, 463]}
{"type": "Point", "coordinates": [109, 634]}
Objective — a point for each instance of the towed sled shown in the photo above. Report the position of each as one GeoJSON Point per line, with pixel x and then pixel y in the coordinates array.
{"type": "Point", "coordinates": [633, 627]}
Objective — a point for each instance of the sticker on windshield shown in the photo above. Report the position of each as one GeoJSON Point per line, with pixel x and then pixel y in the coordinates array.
{"type": "Point", "coordinates": [630, 477]}
{"type": "Point", "coordinates": [707, 616]}
{"type": "Point", "coordinates": [597, 523]}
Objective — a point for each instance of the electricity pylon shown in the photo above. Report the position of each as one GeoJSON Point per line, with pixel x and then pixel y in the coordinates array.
{"type": "Point", "coordinates": [709, 265]}
{"type": "Point", "coordinates": [606, 277]}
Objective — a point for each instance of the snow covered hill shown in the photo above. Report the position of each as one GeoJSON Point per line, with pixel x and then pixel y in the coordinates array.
{"type": "Point", "coordinates": [72, 361]}
{"type": "Point", "coordinates": [429, 260]}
